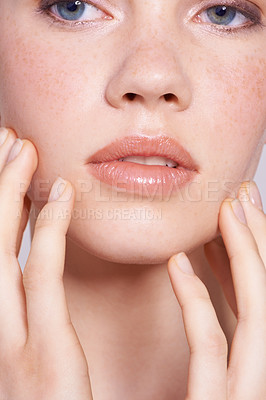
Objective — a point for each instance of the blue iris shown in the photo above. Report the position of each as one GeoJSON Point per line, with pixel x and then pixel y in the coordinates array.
{"type": "Point", "coordinates": [71, 9]}
{"type": "Point", "coordinates": [222, 15]}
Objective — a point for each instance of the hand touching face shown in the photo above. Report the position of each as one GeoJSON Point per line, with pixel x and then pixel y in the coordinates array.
{"type": "Point", "coordinates": [240, 268]}
{"type": "Point", "coordinates": [39, 348]}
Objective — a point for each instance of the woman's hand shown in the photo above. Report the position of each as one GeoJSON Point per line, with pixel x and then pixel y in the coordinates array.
{"type": "Point", "coordinates": [240, 268]}
{"type": "Point", "coordinates": [40, 353]}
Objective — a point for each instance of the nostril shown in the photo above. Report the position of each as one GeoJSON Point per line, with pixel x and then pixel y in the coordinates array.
{"type": "Point", "coordinates": [169, 97]}
{"type": "Point", "coordinates": [131, 96]}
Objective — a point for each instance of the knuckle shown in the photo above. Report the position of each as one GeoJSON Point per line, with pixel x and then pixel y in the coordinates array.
{"type": "Point", "coordinates": [213, 345]}
{"type": "Point", "coordinates": [251, 316]}
{"type": "Point", "coordinates": [33, 279]}
{"type": "Point", "coordinates": [216, 344]}
{"type": "Point", "coordinates": [36, 277]}
{"type": "Point", "coordinates": [29, 282]}
{"type": "Point", "coordinates": [238, 256]}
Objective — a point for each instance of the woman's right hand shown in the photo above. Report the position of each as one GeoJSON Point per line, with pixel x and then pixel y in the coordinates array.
{"type": "Point", "coordinates": [40, 354]}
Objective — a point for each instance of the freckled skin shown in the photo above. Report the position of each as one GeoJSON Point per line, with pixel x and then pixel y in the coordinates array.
{"type": "Point", "coordinates": [64, 91]}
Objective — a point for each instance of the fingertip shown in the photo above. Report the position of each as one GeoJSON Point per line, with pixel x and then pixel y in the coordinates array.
{"type": "Point", "coordinates": [172, 265]}
{"type": "Point", "coordinates": [225, 209]}
{"type": "Point", "coordinates": [57, 189]}
{"type": "Point", "coordinates": [30, 148]}
{"type": "Point", "coordinates": [10, 132]}
{"type": "Point", "coordinates": [61, 190]}
{"type": "Point", "coordinates": [181, 262]}
{"type": "Point", "coordinates": [227, 201]}
{"type": "Point", "coordinates": [184, 263]}
{"type": "Point", "coordinates": [69, 192]}
{"type": "Point", "coordinates": [25, 150]}
{"type": "Point", "coordinates": [173, 260]}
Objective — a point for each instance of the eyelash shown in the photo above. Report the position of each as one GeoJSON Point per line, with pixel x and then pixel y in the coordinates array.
{"type": "Point", "coordinates": [43, 9]}
{"type": "Point", "coordinates": [45, 5]}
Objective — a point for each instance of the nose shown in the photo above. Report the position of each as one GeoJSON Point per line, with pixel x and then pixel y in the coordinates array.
{"type": "Point", "coordinates": [152, 76]}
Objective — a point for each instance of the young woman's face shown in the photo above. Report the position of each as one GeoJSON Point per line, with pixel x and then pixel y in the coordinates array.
{"type": "Point", "coordinates": [64, 86]}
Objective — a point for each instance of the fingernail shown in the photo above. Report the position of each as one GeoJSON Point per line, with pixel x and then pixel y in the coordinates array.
{"type": "Point", "coordinates": [57, 189]}
{"type": "Point", "coordinates": [184, 264]}
{"type": "Point", "coordinates": [254, 195]}
{"type": "Point", "coordinates": [15, 150]}
{"type": "Point", "coordinates": [238, 211]}
{"type": "Point", "coordinates": [249, 192]}
{"type": "Point", "coordinates": [3, 135]}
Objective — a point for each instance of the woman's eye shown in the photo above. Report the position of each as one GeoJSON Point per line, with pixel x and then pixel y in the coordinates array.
{"type": "Point", "coordinates": [224, 15]}
{"type": "Point", "coordinates": [78, 11]}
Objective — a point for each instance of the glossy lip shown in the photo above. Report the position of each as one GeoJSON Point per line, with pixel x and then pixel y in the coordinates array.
{"type": "Point", "coordinates": [141, 179]}
{"type": "Point", "coordinates": [135, 145]}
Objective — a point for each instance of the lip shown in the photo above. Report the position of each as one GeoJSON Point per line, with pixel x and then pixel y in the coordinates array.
{"type": "Point", "coordinates": [163, 146]}
{"type": "Point", "coordinates": [106, 167]}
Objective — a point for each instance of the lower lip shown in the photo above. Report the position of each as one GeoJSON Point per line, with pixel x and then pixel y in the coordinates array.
{"type": "Point", "coordinates": [142, 179]}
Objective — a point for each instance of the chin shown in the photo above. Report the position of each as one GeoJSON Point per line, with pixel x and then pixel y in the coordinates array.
{"type": "Point", "coordinates": [138, 242]}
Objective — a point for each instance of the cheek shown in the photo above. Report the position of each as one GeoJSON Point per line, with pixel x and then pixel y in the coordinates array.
{"type": "Point", "coordinates": [236, 118]}
{"type": "Point", "coordinates": [42, 97]}
{"type": "Point", "coordinates": [244, 97]}
{"type": "Point", "coordinates": [44, 74]}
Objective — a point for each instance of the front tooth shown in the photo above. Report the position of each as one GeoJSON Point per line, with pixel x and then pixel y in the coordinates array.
{"type": "Point", "coordinates": [150, 160]}
{"type": "Point", "coordinates": [135, 159]}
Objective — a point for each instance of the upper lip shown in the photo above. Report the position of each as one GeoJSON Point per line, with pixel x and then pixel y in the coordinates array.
{"type": "Point", "coordinates": [136, 145]}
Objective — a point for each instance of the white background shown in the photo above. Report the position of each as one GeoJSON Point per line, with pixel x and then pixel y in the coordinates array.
{"type": "Point", "coordinates": [259, 179]}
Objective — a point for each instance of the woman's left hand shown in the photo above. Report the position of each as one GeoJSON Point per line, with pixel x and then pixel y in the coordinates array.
{"type": "Point", "coordinates": [240, 269]}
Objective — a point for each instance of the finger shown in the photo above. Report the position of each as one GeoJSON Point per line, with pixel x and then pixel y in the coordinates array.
{"type": "Point", "coordinates": [217, 257]}
{"type": "Point", "coordinates": [15, 179]}
{"type": "Point", "coordinates": [47, 310]}
{"type": "Point", "coordinates": [12, 298]}
{"type": "Point", "coordinates": [247, 267]}
{"type": "Point", "coordinates": [252, 204]}
{"type": "Point", "coordinates": [207, 342]}
{"type": "Point", "coordinates": [7, 139]}
{"type": "Point", "coordinates": [247, 357]}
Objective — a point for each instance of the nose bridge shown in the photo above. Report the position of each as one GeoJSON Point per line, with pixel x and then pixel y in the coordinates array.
{"type": "Point", "coordinates": [155, 58]}
{"type": "Point", "coordinates": [154, 17]}
{"type": "Point", "coordinates": [151, 39]}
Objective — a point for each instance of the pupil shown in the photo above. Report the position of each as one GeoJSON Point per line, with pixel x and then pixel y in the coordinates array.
{"type": "Point", "coordinates": [72, 6]}
{"type": "Point", "coordinates": [221, 10]}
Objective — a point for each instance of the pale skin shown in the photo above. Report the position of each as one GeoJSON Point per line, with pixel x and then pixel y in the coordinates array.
{"type": "Point", "coordinates": [102, 311]}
